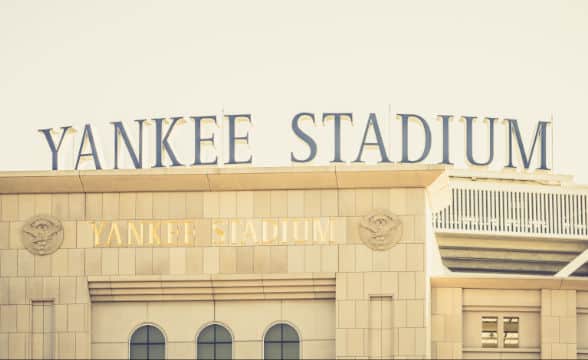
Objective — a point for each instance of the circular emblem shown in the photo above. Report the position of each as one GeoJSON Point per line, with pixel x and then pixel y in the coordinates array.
{"type": "Point", "coordinates": [42, 235]}
{"type": "Point", "coordinates": [380, 229]}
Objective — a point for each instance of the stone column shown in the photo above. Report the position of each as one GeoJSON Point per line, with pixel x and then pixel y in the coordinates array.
{"type": "Point", "coordinates": [381, 294]}
{"type": "Point", "coordinates": [558, 324]}
{"type": "Point", "coordinates": [447, 323]}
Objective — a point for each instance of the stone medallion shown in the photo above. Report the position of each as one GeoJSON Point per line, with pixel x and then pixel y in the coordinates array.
{"type": "Point", "coordinates": [380, 229]}
{"type": "Point", "coordinates": [42, 235]}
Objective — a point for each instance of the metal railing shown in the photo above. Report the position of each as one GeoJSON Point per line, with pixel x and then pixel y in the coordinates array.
{"type": "Point", "coordinates": [512, 209]}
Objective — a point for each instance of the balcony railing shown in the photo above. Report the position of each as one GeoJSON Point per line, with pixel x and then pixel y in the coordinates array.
{"type": "Point", "coordinates": [515, 210]}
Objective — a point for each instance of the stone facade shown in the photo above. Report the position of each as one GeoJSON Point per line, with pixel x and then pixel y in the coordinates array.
{"type": "Point", "coordinates": [551, 320]}
{"type": "Point", "coordinates": [376, 310]}
{"type": "Point", "coordinates": [344, 299]}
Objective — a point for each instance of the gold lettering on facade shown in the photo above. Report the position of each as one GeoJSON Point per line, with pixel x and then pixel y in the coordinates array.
{"type": "Point", "coordinates": [173, 233]}
{"type": "Point", "coordinates": [250, 235]}
{"type": "Point", "coordinates": [284, 237]}
{"type": "Point", "coordinates": [133, 234]}
{"type": "Point", "coordinates": [235, 238]}
{"type": "Point", "coordinates": [187, 232]}
{"type": "Point", "coordinates": [266, 237]}
{"type": "Point", "coordinates": [321, 230]}
{"type": "Point", "coordinates": [114, 233]}
{"type": "Point", "coordinates": [224, 232]}
{"type": "Point", "coordinates": [219, 231]}
{"type": "Point", "coordinates": [154, 238]}
{"type": "Point", "coordinates": [296, 236]}
{"type": "Point", "coordinates": [97, 228]}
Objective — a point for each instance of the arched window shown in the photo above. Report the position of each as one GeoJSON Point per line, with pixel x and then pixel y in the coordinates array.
{"type": "Point", "coordinates": [214, 342]}
{"type": "Point", "coordinates": [147, 342]}
{"type": "Point", "coordinates": [281, 342]}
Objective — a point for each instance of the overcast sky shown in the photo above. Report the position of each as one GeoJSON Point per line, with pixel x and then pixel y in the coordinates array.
{"type": "Point", "coordinates": [81, 62]}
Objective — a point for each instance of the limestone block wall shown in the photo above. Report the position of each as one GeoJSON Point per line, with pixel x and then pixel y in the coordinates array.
{"type": "Point", "coordinates": [551, 321]}
{"type": "Point", "coordinates": [446, 323]}
{"type": "Point", "coordinates": [59, 277]}
{"type": "Point", "coordinates": [247, 321]}
{"type": "Point", "coordinates": [582, 323]}
{"type": "Point", "coordinates": [381, 295]}
{"type": "Point", "coordinates": [558, 324]}
{"type": "Point", "coordinates": [369, 283]}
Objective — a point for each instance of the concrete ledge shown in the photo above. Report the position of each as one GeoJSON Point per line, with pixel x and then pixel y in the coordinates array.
{"type": "Point", "coordinates": [222, 179]}
{"type": "Point", "coordinates": [212, 287]}
{"type": "Point", "coordinates": [495, 281]}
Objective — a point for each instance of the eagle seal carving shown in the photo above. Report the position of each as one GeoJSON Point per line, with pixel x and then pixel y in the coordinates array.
{"type": "Point", "coordinates": [380, 229]}
{"type": "Point", "coordinates": [42, 235]}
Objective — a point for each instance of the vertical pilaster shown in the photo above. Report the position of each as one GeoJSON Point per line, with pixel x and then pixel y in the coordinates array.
{"type": "Point", "coordinates": [558, 324]}
{"type": "Point", "coordinates": [381, 294]}
{"type": "Point", "coordinates": [447, 323]}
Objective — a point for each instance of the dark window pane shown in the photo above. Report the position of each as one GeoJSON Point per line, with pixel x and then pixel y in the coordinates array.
{"type": "Point", "coordinates": [147, 342]}
{"type": "Point", "coordinates": [214, 342]}
{"type": "Point", "coordinates": [205, 351]}
{"type": "Point", "coordinates": [511, 331]}
{"type": "Point", "coordinates": [222, 335]}
{"type": "Point", "coordinates": [224, 351]}
{"type": "Point", "coordinates": [281, 342]}
{"type": "Point", "coordinates": [155, 336]}
{"type": "Point", "coordinates": [206, 335]}
{"type": "Point", "coordinates": [140, 335]}
{"type": "Point", "coordinates": [272, 351]}
{"type": "Point", "coordinates": [489, 331]}
{"type": "Point", "coordinates": [274, 333]}
{"type": "Point", "coordinates": [289, 334]}
{"type": "Point", "coordinates": [290, 351]}
{"type": "Point", "coordinates": [156, 351]}
{"type": "Point", "coordinates": [138, 352]}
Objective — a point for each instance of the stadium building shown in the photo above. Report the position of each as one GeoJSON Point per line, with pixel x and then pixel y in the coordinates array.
{"type": "Point", "coordinates": [386, 261]}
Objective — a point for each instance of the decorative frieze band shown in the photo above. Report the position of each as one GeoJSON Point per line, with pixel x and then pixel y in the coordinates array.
{"type": "Point", "coordinates": [212, 287]}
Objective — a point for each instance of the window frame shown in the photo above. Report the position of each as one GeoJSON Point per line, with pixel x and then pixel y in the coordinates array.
{"type": "Point", "coordinates": [496, 338]}
{"type": "Point", "coordinates": [500, 331]}
{"type": "Point", "coordinates": [271, 326]}
{"type": "Point", "coordinates": [505, 332]}
{"type": "Point", "coordinates": [206, 326]}
{"type": "Point", "coordinates": [130, 337]}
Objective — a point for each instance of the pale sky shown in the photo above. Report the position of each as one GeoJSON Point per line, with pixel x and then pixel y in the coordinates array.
{"type": "Point", "coordinates": [78, 62]}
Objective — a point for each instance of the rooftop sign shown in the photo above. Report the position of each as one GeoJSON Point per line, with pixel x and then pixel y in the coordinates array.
{"type": "Point", "coordinates": [129, 141]}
